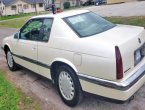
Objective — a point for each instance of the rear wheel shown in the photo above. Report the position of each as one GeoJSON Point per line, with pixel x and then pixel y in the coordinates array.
{"type": "Point", "coordinates": [10, 61]}
{"type": "Point", "coordinates": [69, 86]}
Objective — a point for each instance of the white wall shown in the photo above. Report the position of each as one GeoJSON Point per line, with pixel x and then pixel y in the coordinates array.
{"type": "Point", "coordinates": [2, 9]}
{"type": "Point", "coordinates": [21, 9]}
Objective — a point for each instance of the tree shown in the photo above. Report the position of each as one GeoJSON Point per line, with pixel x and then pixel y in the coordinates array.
{"type": "Point", "coordinates": [35, 5]}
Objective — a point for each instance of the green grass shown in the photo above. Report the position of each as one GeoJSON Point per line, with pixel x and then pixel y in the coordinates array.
{"type": "Point", "coordinates": [22, 15]}
{"type": "Point", "coordinates": [14, 23]}
{"type": "Point", "coordinates": [16, 16]}
{"type": "Point", "coordinates": [28, 103]}
{"type": "Point", "coordinates": [12, 98]}
{"type": "Point", "coordinates": [137, 21]}
{"type": "Point", "coordinates": [9, 96]}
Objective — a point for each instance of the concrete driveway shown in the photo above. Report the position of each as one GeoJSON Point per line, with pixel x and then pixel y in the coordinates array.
{"type": "Point", "coordinates": [46, 94]}
{"type": "Point", "coordinates": [124, 9]}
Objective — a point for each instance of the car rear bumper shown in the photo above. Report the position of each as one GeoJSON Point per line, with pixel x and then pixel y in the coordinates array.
{"type": "Point", "coordinates": [111, 89]}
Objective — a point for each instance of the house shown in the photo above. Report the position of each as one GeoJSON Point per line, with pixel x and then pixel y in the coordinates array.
{"type": "Point", "coordinates": [118, 1]}
{"type": "Point", "coordinates": [2, 8]}
{"type": "Point", "coordinates": [59, 3]}
{"type": "Point", "coordinates": [12, 7]}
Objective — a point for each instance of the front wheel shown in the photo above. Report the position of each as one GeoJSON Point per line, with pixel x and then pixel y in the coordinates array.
{"type": "Point", "coordinates": [69, 86]}
{"type": "Point", "coordinates": [10, 61]}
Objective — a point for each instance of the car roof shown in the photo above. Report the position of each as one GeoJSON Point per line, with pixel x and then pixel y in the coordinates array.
{"type": "Point", "coordinates": [62, 14]}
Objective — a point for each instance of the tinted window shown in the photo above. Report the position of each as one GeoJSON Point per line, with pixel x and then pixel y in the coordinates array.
{"type": "Point", "coordinates": [45, 30]}
{"type": "Point", "coordinates": [37, 29]}
{"type": "Point", "coordinates": [88, 24]}
{"type": "Point", "coordinates": [31, 30]}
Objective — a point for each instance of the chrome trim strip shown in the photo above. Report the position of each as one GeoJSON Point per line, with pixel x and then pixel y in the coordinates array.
{"type": "Point", "coordinates": [125, 85]}
{"type": "Point", "coordinates": [32, 61]}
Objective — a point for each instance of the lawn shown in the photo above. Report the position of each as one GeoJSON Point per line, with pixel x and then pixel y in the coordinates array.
{"type": "Point", "coordinates": [14, 23]}
{"type": "Point", "coordinates": [9, 96]}
{"type": "Point", "coordinates": [12, 98]}
{"type": "Point", "coordinates": [138, 21]}
{"type": "Point", "coordinates": [16, 16]}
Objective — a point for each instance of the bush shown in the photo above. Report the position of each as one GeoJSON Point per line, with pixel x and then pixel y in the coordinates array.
{"type": "Point", "coordinates": [66, 5]}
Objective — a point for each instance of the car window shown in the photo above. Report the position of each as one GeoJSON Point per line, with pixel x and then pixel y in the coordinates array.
{"type": "Point", "coordinates": [45, 30]}
{"type": "Point", "coordinates": [31, 30]}
{"type": "Point", "coordinates": [88, 24]}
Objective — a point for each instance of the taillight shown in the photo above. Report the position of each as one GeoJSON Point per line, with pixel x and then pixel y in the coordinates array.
{"type": "Point", "coordinates": [119, 66]}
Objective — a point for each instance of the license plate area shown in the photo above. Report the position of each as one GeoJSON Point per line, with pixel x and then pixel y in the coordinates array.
{"type": "Point", "coordinates": [139, 54]}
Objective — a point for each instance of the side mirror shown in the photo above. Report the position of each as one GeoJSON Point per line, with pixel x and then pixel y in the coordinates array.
{"type": "Point", "coordinates": [16, 35]}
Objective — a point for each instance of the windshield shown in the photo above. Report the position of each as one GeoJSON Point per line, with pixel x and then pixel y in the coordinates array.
{"type": "Point", "coordinates": [88, 24]}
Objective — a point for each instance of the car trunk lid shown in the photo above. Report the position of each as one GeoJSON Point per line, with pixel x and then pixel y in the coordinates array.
{"type": "Point", "coordinates": [128, 39]}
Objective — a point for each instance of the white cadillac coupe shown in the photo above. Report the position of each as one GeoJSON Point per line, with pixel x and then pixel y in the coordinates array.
{"type": "Point", "coordinates": [80, 51]}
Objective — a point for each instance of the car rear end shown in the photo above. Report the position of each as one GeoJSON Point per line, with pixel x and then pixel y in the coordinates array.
{"type": "Point", "coordinates": [129, 50]}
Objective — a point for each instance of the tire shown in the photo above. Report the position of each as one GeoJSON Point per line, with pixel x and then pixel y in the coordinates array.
{"type": "Point", "coordinates": [10, 61]}
{"type": "Point", "coordinates": [69, 86]}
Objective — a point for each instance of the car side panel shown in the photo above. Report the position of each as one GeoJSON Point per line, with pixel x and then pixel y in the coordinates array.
{"type": "Point", "coordinates": [25, 54]}
{"type": "Point", "coordinates": [98, 67]}
{"type": "Point", "coordinates": [90, 56]}
{"type": "Point", "coordinates": [47, 55]}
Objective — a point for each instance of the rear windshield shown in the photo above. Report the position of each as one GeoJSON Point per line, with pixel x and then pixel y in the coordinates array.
{"type": "Point", "coordinates": [88, 24]}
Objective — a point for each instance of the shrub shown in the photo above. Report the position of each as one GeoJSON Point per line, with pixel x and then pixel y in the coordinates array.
{"type": "Point", "coordinates": [66, 5]}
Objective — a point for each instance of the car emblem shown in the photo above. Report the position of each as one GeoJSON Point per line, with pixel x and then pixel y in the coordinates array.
{"type": "Point", "coordinates": [139, 40]}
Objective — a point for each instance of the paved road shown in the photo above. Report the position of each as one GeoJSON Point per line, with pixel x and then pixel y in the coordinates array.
{"type": "Point", "coordinates": [47, 95]}
{"type": "Point", "coordinates": [124, 9]}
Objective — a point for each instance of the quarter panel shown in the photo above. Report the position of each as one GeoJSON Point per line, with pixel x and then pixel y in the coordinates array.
{"type": "Point", "coordinates": [99, 67]}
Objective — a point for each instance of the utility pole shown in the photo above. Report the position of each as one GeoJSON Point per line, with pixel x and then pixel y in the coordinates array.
{"type": "Point", "coordinates": [53, 7]}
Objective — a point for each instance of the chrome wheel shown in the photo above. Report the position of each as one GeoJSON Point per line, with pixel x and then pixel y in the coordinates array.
{"type": "Point", "coordinates": [66, 85]}
{"type": "Point", "coordinates": [10, 59]}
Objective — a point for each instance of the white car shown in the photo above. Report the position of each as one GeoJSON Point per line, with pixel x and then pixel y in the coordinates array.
{"type": "Point", "coordinates": [81, 51]}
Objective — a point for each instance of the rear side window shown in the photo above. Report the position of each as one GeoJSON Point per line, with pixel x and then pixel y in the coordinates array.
{"type": "Point", "coordinates": [88, 24]}
{"type": "Point", "coordinates": [45, 30]}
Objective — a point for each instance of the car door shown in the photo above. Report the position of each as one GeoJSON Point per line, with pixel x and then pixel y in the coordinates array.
{"type": "Point", "coordinates": [44, 50]}
{"type": "Point", "coordinates": [26, 48]}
